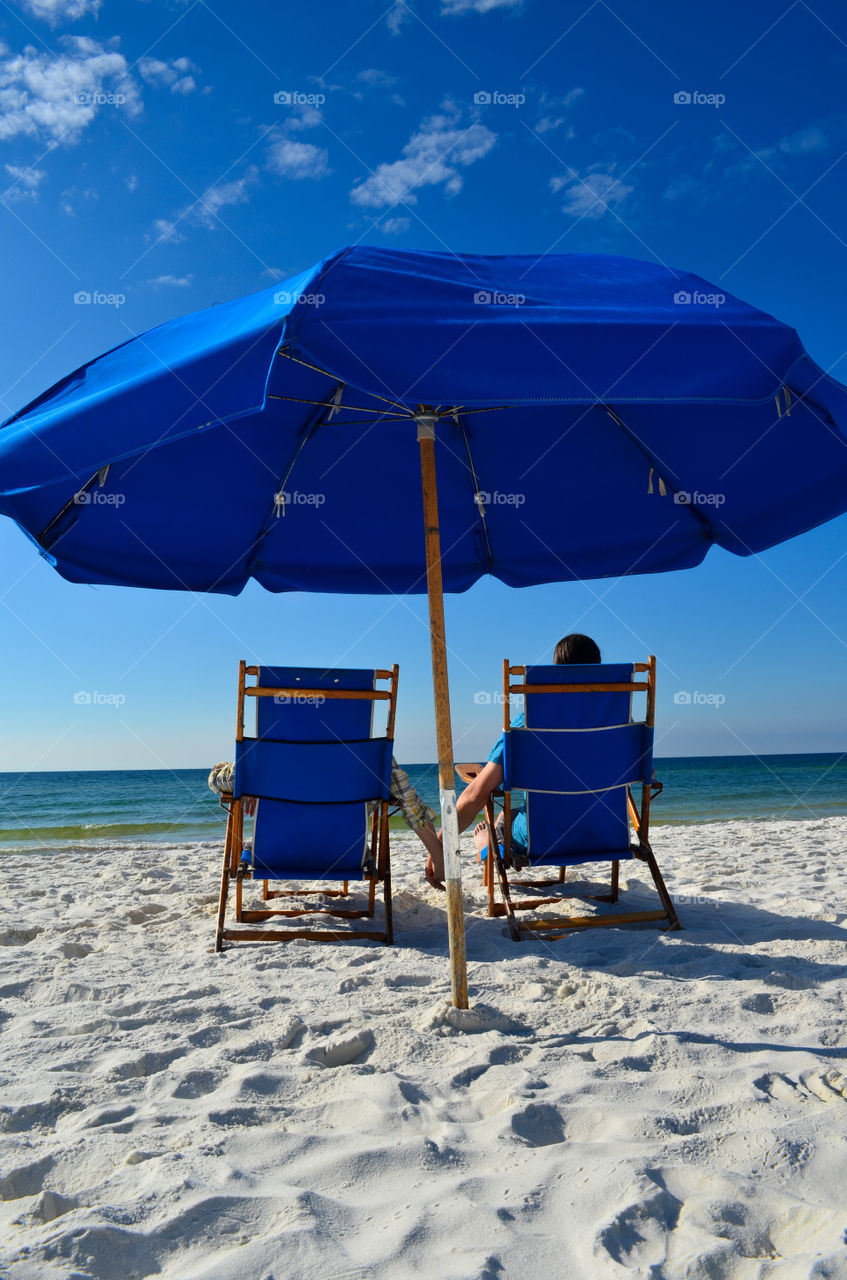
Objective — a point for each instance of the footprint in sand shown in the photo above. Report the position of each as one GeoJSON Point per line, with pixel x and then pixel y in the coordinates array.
{"type": "Point", "coordinates": [759, 1003]}
{"type": "Point", "coordinates": [538, 1125]}
{"type": "Point", "coordinates": [826, 1086]}
{"type": "Point", "coordinates": [28, 1180]}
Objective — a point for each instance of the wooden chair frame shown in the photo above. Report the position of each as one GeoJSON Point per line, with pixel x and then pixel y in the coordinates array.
{"type": "Point", "coordinates": [498, 864]}
{"type": "Point", "coordinates": [233, 872]}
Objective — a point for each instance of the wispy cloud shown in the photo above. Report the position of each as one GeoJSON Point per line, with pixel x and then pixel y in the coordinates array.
{"type": "Point", "coordinates": [58, 96]}
{"type": "Point", "coordinates": [178, 76]}
{"type": "Point", "coordinates": [56, 11]}
{"type": "Point", "coordinates": [172, 282]}
{"type": "Point", "coordinates": [394, 226]}
{"type": "Point", "coordinates": [25, 183]}
{"type": "Point", "coordinates": [433, 156]}
{"type": "Point", "coordinates": [204, 211]}
{"type": "Point", "coordinates": [292, 159]}
{"type": "Point", "coordinates": [592, 194]}
{"type": "Point", "coordinates": [804, 142]}
{"type": "Point", "coordinates": [477, 6]}
{"type": "Point", "coordinates": [398, 15]}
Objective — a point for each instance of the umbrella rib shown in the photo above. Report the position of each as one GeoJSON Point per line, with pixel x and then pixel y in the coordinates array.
{"type": "Point", "coordinates": [358, 407]}
{"type": "Point", "coordinates": [312, 426]}
{"type": "Point", "coordinates": [316, 369]}
{"type": "Point", "coordinates": [479, 506]}
{"type": "Point", "coordinates": [632, 436]}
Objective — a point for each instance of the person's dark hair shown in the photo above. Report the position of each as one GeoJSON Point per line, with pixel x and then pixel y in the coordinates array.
{"type": "Point", "coordinates": [576, 648]}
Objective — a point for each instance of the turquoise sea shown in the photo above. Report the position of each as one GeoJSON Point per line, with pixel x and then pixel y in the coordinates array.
{"type": "Point", "coordinates": [49, 812]}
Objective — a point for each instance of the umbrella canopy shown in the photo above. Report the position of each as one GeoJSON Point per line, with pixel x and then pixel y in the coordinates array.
{"type": "Point", "coordinates": [569, 417]}
{"type": "Point", "coordinates": [596, 416]}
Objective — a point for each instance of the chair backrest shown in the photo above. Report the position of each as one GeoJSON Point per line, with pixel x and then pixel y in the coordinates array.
{"type": "Point", "coordinates": [578, 752]}
{"type": "Point", "coordinates": [314, 766]}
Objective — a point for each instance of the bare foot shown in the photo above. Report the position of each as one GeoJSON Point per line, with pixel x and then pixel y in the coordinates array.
{"type": "Point", "coordinates": [480, 838]}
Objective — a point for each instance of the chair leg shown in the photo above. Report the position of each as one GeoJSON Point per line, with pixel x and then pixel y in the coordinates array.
{"type": "Point", "coordinates": [219, 938]}
{"type": "Point", "coordinates": [613, 896]}
{"type": "Point", "coordinates": [562, 874]}
{"type": "Point", "coordinates": [389, 915]}
{"type": "Point", "coordinates": [661, 888]}
{"type": "Point", "coordinates": [493, 851]}
{"type": "Point", "coordinates": [514, 927]}
{"type": "Point", "coordinates": [239, 880]}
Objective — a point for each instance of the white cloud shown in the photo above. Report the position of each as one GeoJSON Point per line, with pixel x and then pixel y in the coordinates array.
{"type": "Point", "coordinates": [395, 226]}
{"type": "Point", "coordinates": [398, 15]}
{"type": "Point", "coordinates": [25, 183]}
{"type": "Point", "coordinates": [58, 96]}
{"type": "Point", "coordinates": [204, 211]}
{"type": "Point", "coordinates": [176, 76]}
{"type": "Point", "coordinates": [131, 183]}
{"type": "Point", "coordinates": [376, 79]}
{"type": "Point", "coordinates": [431, 157]}
{"type": "Point", "coordinates": [593, 194]}
{"type": "Point", "coordinates": [304, 117]}
{"type": "Point", "coordinates": [477, 6]}
{"type": "Point", "coordinates": [175, 282]}
{"type": "Point", "coordinates": [804, 142]}
{"type": "Point", "coordinates": [291, 159]}
{"type": "Point", "coordinates": [56, 11]}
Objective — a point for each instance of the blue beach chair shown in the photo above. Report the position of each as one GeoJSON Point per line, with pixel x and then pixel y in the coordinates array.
{"type": "Point", "coordinates": [316, 770]}
{"type": "Point", "coordinates": [579, 758]}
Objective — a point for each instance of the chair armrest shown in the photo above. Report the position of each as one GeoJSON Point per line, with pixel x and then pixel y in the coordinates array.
{"type": "Point", "coordinates": [467, 772]}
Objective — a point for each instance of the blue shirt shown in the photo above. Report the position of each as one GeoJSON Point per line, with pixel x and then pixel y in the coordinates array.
{"type": "Point", "coordinates": [520, 832]}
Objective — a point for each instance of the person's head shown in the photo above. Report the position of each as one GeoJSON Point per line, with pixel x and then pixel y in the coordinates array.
{"type": "Point", "coordinates": [576, 648]}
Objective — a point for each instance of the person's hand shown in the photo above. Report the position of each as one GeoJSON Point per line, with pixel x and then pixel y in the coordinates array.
{"type": "Point", "coordinates": [434, 871]}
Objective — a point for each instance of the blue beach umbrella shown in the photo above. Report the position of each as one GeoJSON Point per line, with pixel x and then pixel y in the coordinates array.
{"type": "Point", "coordinates": [585, 416]}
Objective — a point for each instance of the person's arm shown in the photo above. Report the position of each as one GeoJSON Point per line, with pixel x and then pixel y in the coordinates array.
{"type": "Point", "coordinates": [472, 799]}
{"type": "Point", "coordinates": [477, 793]}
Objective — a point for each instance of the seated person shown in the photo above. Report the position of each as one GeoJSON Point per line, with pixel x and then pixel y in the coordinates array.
{"type": "Point", "coordinates": [417, 816]}
{"type": "Point", "coordinates": [573, 648]}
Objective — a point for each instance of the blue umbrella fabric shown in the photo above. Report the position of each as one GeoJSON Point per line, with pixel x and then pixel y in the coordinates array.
{"type": "Point", "coordinates": [596, 416]}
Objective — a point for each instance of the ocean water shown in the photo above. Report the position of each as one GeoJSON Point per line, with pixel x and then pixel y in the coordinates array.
{"type": "Point", "coordinates": [44, 812]}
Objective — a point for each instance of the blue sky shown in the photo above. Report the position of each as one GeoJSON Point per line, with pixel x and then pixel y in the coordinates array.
{"type": "Point", "coordinates": [165, 155]}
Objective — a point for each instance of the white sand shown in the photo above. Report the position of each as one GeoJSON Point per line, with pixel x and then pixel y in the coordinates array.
{"type": "Point", "coordinates": [621, 1102]}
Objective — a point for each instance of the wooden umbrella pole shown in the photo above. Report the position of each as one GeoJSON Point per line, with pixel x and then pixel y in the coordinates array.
{"type": "Point", "coordinates": [444, 732]}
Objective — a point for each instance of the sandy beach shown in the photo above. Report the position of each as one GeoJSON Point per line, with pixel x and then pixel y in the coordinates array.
{"type": "Point", "coordinates": [621, 1102]}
